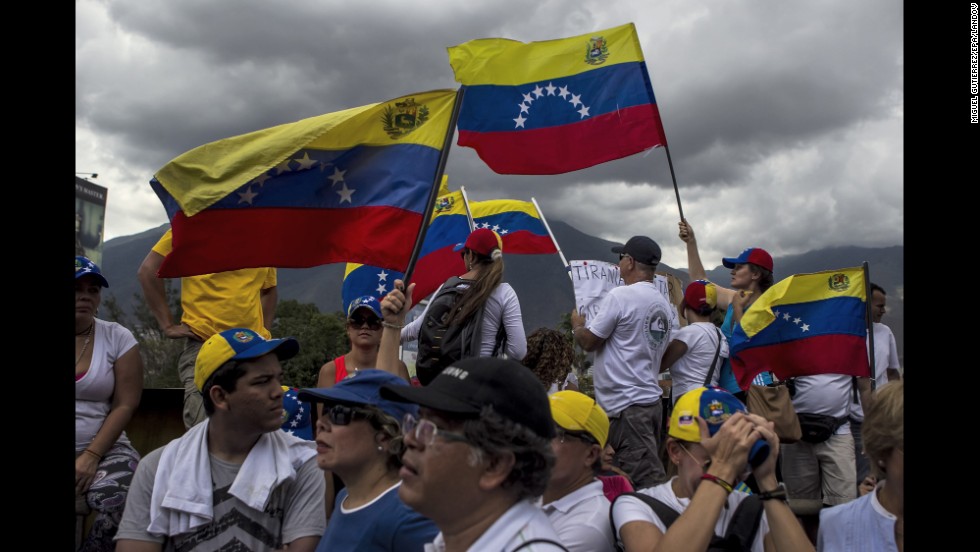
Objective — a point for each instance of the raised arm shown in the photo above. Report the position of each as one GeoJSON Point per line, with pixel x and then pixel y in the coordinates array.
{"type": "Point", "coordinates": [394, 307]}
{"type": "Point", "coordinates": [694, 266]}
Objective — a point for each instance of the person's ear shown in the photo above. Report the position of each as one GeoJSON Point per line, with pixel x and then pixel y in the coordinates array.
{"type": "Point", "coordinates": [496, 470]}
{"type": "Point", "coordinates": [595, 453]}
{"type": "Point", "coordinates": [219, 397]}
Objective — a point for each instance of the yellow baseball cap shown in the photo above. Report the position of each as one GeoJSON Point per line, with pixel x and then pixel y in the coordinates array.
{"type": "Point", "coordinates": [576, 411]}
{"type": "Point", "coordinates": [237, 344]}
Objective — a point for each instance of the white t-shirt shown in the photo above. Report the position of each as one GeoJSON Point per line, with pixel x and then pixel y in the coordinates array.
{"type": "Point", "coordinates": [502, 308]}
{"type": "Point", "coordinates": [688, 372]}
{"type": "Point", "coordinates": [93, 393]}
{"type": "Point", "coordinates": [827, 394]}
{"type": "Point", "coordinates": [886, 356]}
{"type": "Point", "coordinates": [627, 509]}
{"type": "Point", "coordinates": [581, 519]}
{"type": "Point", "coordinates": [635, 322]}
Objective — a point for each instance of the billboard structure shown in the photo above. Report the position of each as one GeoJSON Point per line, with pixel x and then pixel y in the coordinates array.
{"type": "Point", "coordinates": [90, 200]}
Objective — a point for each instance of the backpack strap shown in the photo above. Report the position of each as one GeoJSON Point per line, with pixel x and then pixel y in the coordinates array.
{"type": "Point", "coordinates": [539, 541]}
{"type": "Point", "coordinates": [711, 371]}
{"type": "Point", "coordinates": [744, 524]}
{"type": "Point", "coordinates": [666, 514]}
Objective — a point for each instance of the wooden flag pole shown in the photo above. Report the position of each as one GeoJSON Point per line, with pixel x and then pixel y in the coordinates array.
{"type": "Point", "coordinates": [466, 204]}
{"type": "Point", "coordinates": [552, 235]}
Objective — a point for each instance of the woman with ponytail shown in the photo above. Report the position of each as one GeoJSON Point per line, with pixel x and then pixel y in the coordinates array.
{"type": "Point", "coordinates": [481, 292]}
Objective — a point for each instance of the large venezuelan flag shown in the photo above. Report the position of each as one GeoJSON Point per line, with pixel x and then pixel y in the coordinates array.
{"type": "Point", "coordinates": [437, 261]}
{"type": "Point", "coordinates": [518, 223]}
{"type": "Point", "coordinates": [345, 186]}
{"type": "Point", "coordinates": [361, 280]}
{"type": "Point", "coordinates": [804, 325]}
{"type": "Point", "coordinates": [556, 106]}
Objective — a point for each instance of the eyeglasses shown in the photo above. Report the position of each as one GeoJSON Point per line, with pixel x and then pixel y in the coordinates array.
{"type": "Point", "coordinates": [561, 433]}
{"type": "Point", "coordinates": [425, 431]}
{"type": "Point", "coordinates": [704, 464]}
{"type": "Point", "coordinates": [342, 415]}
{"type": "Point", "coordinates": [373, 323]}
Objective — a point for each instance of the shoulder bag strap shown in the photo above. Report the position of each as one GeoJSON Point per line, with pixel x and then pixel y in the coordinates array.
{"type": "Point", "coordinates": [711, 371]}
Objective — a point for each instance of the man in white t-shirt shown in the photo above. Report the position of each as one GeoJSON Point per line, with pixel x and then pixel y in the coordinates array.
{"type": "Point", "coordinates": [886, 369]}
{"type": "Point", "coordinates": [629, 335]}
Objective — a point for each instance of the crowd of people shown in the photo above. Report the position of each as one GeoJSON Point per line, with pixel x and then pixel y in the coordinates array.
{"type": "Point", "coordinates": [494, 448]}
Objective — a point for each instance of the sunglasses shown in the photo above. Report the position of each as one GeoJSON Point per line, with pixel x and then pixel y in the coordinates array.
{"type": "Point", "coordinates": [561, 433]}
{"type": "Point", "coordinates": [342, 415]}
{"type": "Point", "coordinates": [623, 255]}
{"type": "Point", "coordinates": [373, 322]}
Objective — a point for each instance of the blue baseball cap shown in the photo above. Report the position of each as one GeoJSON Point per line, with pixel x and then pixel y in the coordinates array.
{"type": "Point", "coordinates": [85, 267]}
{"type": "Point", "coordinates": [363, 388]}
{"type": "Point", "coordinates": [366, 301]}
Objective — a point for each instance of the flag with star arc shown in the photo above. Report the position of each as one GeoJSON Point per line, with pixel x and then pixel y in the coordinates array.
{"type": "Point", "coordinates": [556, 106]}
{"type": "Point", "coordinates": [348, 186]}
{"type": "Point", "coordinates": [518, 223]}
{"type": "Point", "coordinates": [804, 325]}
{"type": "Point", "coordinates": [361, 280]}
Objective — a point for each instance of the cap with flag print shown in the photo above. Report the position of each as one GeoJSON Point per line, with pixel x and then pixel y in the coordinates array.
{"type": "Point", "coordinates": [556, 106]}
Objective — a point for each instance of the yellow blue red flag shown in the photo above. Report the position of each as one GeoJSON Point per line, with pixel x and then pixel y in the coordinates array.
{"type": "Point", "coordinates": [556, 106]}
{"type": "Point", "coordinates": [349, 186]}
{"type": "Point", "coordinates": [437, 262]}
{"type": "Point", "coordinates": [804, 325]}
{"type": "Point", "coordinates": [362, 280]}
{"type": "Point", "coordinates": [518, 223]}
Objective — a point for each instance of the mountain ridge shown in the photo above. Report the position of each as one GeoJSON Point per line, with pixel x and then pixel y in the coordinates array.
{"type": "Point", "coordinates": [540, 281]}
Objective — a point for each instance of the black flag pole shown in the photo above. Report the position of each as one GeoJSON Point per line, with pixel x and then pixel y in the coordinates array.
{"type": "Point", "coordinates": [870, 323]}
{"type": "Point", "coordinates": [673, 178]}
{"type": "Point", "coordinates": [434, 191]}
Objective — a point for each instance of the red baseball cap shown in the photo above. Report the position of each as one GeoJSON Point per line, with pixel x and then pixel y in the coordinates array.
{"type": "Point", "coordinates": [483, 241]}
{"type": "Point", "coordinates": [755, 255]}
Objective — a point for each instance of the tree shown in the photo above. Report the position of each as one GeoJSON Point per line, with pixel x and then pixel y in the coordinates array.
{"type": "Point", "coordinates": [160, 354]}
{"type": "Point", "coordinates": [321, 337]}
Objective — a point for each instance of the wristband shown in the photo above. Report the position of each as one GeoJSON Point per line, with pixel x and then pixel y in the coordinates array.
{"type": "Point", "coordinates": [779, 493]}
{"type": "Point", "coordinates": [93, 453]}
{"type": "Point", "coordinates": [387, 324]}
{"type": "Point", "coordinates": [721, 482]}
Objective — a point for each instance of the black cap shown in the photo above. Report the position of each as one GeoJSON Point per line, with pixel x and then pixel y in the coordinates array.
{"type": "Point", "coordinates": [468, 385]}
{"type": "Point", "coordinates": [642, 249]}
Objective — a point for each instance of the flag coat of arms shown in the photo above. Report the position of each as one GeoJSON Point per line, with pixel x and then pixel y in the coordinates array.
{"type": "Point", "coordinates": [437, 261]}
{"type": "Point", "coordinates": [518, 223]}
{"type": "Point", "coordinates": [556, 106]}
{"type": "Point", "coordinates": [345, 186]}
{"type": "Point", "coordinates": [804, 325]}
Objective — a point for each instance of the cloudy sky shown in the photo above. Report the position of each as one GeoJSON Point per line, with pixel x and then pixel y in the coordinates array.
{"type": "Point", "coordinates": [784, 119]}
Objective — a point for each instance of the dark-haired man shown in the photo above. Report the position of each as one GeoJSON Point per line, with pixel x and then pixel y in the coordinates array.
{"type": "Point", "coordinates": [234, 481]}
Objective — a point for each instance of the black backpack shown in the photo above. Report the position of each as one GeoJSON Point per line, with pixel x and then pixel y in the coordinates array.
{"type": "Point", "coordinates": [738, 537]}
{"type": "Point", "coordinates": [441, 344]}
